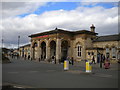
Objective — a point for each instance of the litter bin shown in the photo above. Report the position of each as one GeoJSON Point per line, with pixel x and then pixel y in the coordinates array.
{"type": "Point", "coordinates": [66, 65]}
{"type": "Point", "coordinates": [88, 67]}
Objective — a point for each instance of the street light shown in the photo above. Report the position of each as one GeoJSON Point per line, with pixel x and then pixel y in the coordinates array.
{"type": "Point", "coordinates": [18, 45]}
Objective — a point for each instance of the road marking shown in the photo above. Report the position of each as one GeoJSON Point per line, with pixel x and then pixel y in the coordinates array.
{"type": "Point", "coordinates": [13, 72]}
{"type": "Point", "coordinates": [51, 70]}
{"type": "Point", "coordinates": [33, 71]}
{"type": "Point", "coordinates": [102, 75]}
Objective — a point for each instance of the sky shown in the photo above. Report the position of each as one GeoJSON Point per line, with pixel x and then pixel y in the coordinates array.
{"type": "Point", "coordinates": [26, 18]}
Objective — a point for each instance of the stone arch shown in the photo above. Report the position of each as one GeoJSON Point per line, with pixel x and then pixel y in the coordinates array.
{"type": "Point", "coordinates": [78, 43]}
{"type": "Point", "coordinates": [52, 49]}
{"type": "Point", "coordinates": [64, 49]}
{"type": "Point", "coordinates": [41, 42]}
{"type": "Point", "coordinates": [43, 50]}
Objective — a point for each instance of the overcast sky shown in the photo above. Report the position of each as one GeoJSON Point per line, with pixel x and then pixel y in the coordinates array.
{"type": "Point", "coordinates": [26, 18]}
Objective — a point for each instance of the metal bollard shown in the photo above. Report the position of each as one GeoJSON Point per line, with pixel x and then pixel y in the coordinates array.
{"type": "Point", "coordinates": [66, 65]}
{"type": "Point", "coordinates": [88, 67]}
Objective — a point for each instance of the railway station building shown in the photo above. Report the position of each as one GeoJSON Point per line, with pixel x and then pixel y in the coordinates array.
{"type": "Point", "coordinates": [79, 45]}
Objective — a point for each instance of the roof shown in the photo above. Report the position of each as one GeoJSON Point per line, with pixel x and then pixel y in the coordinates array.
{"type": "Point", "coordinates": [115, 37]}
{"type": "Point", "coordinates": [63, 31]}
{"type": "Point", "coordinates": [25, 45]}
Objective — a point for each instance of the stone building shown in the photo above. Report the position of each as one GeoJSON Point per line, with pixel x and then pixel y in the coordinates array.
{"type": "Point", "coordinates": [24, 51]}
{"type": "Point", "coordinates": [81, 45]}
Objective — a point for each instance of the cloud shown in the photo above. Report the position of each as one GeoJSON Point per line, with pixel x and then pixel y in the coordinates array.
{"type": "Point", "coordinates": [11, 9]}
{"type": "Point", "coordinates": [105, 20]}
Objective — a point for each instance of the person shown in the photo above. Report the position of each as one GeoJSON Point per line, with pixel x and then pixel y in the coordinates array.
{"type": "Point", "coordinates": [107, 64]}
{"type": "Point", "coordinates": [25, 56]}
{"type": "Point", "coordinates": [93, 60]}
{"type": "Point", "coordinates": [101, 60]}
{"type": "Point", "coordinates": [72, 61]}
{"type": "Point", "coordinates": [28, 57]}
{"type": "Point", "coordinates": [52, 59]}
{"type": "Point", "coordinates": [68, 59]}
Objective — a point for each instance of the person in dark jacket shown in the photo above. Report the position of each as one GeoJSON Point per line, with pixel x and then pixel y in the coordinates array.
{"type": "Point", "coordinates": [72, 61]}
{"type": "Point", "coordinates": [93, 60]}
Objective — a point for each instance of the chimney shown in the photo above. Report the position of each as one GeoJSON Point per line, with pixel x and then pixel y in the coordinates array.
{"type": "Point", "coordinates": [92, 28]}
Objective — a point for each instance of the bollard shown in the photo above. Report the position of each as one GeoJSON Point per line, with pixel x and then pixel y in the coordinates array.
{"type": "Point", "coordinates": [66, 65]}
{"type": "Point", "coordinates": [88, 67]}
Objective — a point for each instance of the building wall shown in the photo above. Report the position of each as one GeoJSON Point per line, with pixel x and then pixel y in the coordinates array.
{"type": "Point", "coordinates": [84, 40]}
{"type": "Point", "coordinates": [108, 44]}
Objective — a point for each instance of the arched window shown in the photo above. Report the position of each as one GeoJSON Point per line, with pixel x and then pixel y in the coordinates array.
{"type": "Point", "coordinates": [113, 52]}
{"type": "Point", "coordinates": [79, 49]}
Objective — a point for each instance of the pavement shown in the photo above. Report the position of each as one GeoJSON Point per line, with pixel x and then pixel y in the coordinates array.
{"type": "Point", "coordinates": [34, 74]}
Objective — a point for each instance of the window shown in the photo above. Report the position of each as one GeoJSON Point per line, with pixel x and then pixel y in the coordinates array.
{"type": "Point", "coordinates": [92, 53]}
{"type": "Point", "coordinates": [113, 52]}
{"type": "Point", "coordinates": [107, 52]}
{"type": "Point", "coordinates": [79, 51]}
{"type": "Point", "coordinates": [88, 53]}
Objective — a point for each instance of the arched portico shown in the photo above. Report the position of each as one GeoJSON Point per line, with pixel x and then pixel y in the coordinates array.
{"type": "Point", "coordinates": [52, 48]}
{"type": "Point", "coordinates": [64, 50]}
{"type": "Point", "coordinates": [43, 51]}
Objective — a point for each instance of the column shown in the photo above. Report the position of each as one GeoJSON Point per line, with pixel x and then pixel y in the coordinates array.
{"type": "Point", "coordinates": [70, 49]}
{"type": "Point", "coordinates": [31, 50]}
{"type": "Point", "coordinates": [58, 50]}
{"type": "Point", "coordinates": [38, 50]}
{"type": "Point", "coordinates": [47, 50]}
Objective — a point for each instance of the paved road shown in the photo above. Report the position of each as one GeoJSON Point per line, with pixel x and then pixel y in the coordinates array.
{"type": "Point", "coordinates": [31, 74]}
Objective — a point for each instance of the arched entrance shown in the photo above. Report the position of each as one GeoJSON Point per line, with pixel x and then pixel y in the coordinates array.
{"type": "Point", "coordinates": [34, 53]}
{"type": "Point", "coordinates": [52, 49]}
{"type": "Point", "coordinates": [43, 51]}
{"type": "Point", "coordinates": [64, 50]}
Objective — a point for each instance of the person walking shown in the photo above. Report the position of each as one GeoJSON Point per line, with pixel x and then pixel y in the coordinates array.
{"type": "Point", "coordinates": [93, 60]}
{"type": "Point", "coordinates": [107, 64]}
{"type": "Point", "coordinates": [72, 61]}
{"type": "Point", "coordinates": [101, 60]}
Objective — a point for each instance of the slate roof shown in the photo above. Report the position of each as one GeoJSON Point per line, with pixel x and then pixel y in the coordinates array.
{"type": "Point", "coordinates": [63, 31]}
{"type": "Point", "coordinates": [115, 37]}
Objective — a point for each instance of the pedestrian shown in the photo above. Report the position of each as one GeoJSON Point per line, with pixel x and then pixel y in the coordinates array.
{"type": "Point", "coordinates": [52, 59]}
{"type": "Point", "coordinates": [101, 60]}
{"type": "Point", "coordinates": [72, 61]}
{"type": "Point", "coordinates": [25, 56]}
{"type": "Point", "coordinates": [55, 59]}
{"type": "Point", "coordinates": [39, 59]}
{"type": "Point", "coordinates": [28, 57]}
{"type": "Point", "coordinates": [107, 64]}
{"type": "Point", "coordinates": [93, 60]}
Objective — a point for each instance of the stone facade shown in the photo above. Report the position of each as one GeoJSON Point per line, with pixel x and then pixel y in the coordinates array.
{"type": "Point", "coordinates": [81, 45]}
{"type": "Point", "coordinates": [24, 51]}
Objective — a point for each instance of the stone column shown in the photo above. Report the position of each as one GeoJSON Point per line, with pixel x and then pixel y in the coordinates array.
{"type": "Point", "coordinates": [38, 50]}
{"type": "Point", "coordinates": [47, 50]}
{"type": "Point", "coordinates": [58, 50]}
{"type": "Point", "coordinates": [70, 49]}
{"type": "Point", "coordinates": [31, 50]}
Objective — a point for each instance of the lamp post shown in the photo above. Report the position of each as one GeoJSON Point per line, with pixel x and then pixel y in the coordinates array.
{"type": "Point", "coordinates": [18, 44]}
{"type": "Point", "coordinates": [2, 43]}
